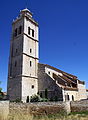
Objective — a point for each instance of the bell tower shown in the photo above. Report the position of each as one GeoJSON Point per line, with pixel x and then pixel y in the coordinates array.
{"type": "Point", "coordinates": [23, 60]}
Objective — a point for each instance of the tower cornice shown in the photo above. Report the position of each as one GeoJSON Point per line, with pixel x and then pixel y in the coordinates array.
{"type": "Point", "coordinates": [22, 76]}
{"type": "Point", "coordinates": [31, 19]}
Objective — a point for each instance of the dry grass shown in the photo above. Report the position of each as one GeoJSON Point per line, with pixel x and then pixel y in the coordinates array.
{"type": "Point", "coordinates": [55, 117]}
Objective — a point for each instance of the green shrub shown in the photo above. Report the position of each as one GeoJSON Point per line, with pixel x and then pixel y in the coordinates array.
{"type": "Point", "coordinates": [51, 99]}
{"type": "Point", "coordinates": [41, 95]}
{"type": "Point", "coordinates": [55, 98]}
{"type": "Point", "coordinates": [0, 88]}
{"type": "Point", "coordinates": [1, 93]}
{"type": "Point", "coordinates": [46, 93]}
{"type": "Point", "coordinates": [35, 98]}
{"type": "Point", "coordinates": [17, 100]}
{"type": "Point", "coordinates": [44, 100]}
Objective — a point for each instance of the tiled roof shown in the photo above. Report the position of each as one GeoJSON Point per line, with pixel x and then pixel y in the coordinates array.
{"type": "Point", "coordinates": [66, 76]}
{"type": "Point", "coordinates": [81, 82]}
{"type": "Point", "coordinates": [62, 82]}
{"type": "Point", "coordinates": [68, 79]}
{"type": "Point", "coordinates": [58, 70]}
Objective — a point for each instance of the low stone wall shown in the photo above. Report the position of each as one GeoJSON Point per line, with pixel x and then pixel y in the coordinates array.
{"type": "Point", "coordinates": [4, 109]}
{"type": "Point", "coordinates": [79, 106]}
{"type": "Point", "coordinates": [40, 108]}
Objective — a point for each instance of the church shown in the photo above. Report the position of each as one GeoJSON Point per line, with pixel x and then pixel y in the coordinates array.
{"type": "Point", "coordinates": [27, 77]}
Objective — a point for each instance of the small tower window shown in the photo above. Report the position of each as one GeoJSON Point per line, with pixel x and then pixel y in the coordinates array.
{"type": "Point", "coordinates": [30, 50]}
{"type": "Point", "coordinates": [16, 50]}
{"type": "Point", "coordinates": [12, 52]}
{"type": "Point", "coordinates": [32, 86]}
{"type": "Point", "coordinates": [15, 32]}
{"type": "Point", "coordinates": [15, 63]}
{"type": "Point", "coordinates": [49, 72]}
{"type": "Point", "coordinates": [30, 63]}
{"type": "Point", "coordinates": [32, 33]}
{"type": "Point", "coordinates": [29, 30]}
{"type": "Point", "coordinates": [20, 30]}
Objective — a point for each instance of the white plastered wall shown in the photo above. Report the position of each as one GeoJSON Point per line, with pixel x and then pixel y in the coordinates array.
{"type": "Point", "coordinates": [70, 93]}
{"type": "Point", "coordinates": [47, 70]}
{"type": "Point", "coordinates": [27, 89]}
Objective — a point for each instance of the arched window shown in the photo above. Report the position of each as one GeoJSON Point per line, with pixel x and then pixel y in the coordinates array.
{"type": "Point", "coordinates": [32, 33]}
{"type": "Point", "coordinates": [30, 50]}
{"type": "Point", "coordinates": [30, 63]}
{"type": "Point", "coordinates": [49, 72]}
{"type": "Point", "coordinates": [16, 50]}
{"type": "Point", "coordinates": [15, 63]}
{"type": "Point", "coordinates": [20, 30]}
{"type": "Point", "coordinates": [72, 98]}
{"type": "Point", "coordinates": [15, 32]}
{"type": "Point", "coordinates": [29, 30]}
{"type": "Point", "coordinates": [32, 86]}
{"type": "Point", "coordinates": [68, 97]}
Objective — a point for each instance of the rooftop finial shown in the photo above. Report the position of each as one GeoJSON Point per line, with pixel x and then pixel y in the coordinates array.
{"type": "Point", "coordinates": [26, 12]}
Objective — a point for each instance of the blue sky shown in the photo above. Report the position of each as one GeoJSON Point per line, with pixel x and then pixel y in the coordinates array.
{"type": "Point", "coordinates": [63, 26]}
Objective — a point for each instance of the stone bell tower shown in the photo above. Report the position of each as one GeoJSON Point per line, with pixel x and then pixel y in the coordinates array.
{"type": "Point", "coordinates": [23, 60]}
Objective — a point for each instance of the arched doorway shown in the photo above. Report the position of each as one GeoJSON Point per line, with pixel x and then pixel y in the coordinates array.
{"type": "Point", "coordinates": [68, 97]}
{"type": "Point", "coordinates": [72, 98]}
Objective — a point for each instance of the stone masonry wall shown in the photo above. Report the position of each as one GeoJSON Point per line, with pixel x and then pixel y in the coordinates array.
{"type": "Point", "coordinates": [4, 109]}
{"type": "Point", "coordinates": [46, 82]}
{"type": "Point", "coordinates": [79, 106]}
{"type": "Point", "coordinates": [39, 108]}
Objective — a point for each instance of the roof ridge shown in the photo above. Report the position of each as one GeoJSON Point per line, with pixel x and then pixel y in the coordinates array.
{"type": "Point", "coordinates": [58, 70]}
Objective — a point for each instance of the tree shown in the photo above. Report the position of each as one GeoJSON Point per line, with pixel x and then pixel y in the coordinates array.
{"type": "Point", "coordinates": [1, 93]}
{"type": "Point", "coordinates": [46, 93]}
{"type": "Point", "coordinates": [0, 88]}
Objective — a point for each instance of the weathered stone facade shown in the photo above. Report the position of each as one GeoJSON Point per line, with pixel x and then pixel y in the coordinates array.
{"type": "Point", "coordinates": [23, 61]}
{"type": "Point", "coordinates": [46, 82]}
